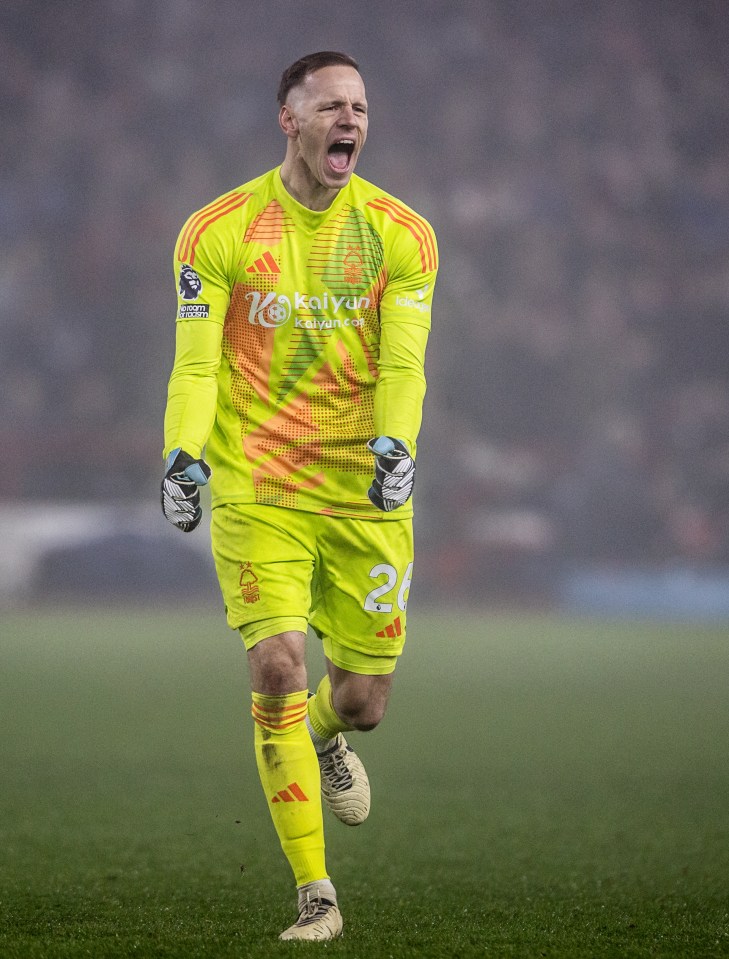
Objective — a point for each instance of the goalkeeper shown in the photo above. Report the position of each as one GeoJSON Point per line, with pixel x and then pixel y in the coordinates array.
{"type": "Point", "coordinates": [304, 301]}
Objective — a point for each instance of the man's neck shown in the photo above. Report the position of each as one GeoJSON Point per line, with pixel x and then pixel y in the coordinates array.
{"type": "Point", "coordinates": [304, 189]}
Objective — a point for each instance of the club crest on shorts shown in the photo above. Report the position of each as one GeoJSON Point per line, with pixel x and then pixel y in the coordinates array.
{"type": "Point", "coordinates": [190, 285]}
{"type": "Point", "coordinates": [249, 588]}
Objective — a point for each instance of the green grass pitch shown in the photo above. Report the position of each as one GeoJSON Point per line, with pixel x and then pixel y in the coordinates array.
{"type": "Point", "coordinates": [541, 787]}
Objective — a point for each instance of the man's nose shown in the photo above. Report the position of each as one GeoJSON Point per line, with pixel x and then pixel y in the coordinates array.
{"type": "Point", "coordinates": [347, 116]}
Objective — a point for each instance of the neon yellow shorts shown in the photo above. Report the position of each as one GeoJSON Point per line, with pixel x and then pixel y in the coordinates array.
{"type": "Point", "coordinates": [349, 579]}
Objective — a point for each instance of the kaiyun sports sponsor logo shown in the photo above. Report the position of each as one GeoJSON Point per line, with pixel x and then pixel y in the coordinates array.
{"type": "Point", "coordinates": [276, 309]}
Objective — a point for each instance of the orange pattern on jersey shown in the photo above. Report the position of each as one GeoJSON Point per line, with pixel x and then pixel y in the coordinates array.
{"type": "Point", "coordinates": [251, 346]}
{"type": "Point", "coordinates": [350, 371]}
{"type": "Point", "coordinates": [290, 436]}
{"type": "Point", "coordinates": [343, 412]}
{"type": "Point", "coordinates": [280, 448]}
{"type": "Point", "coordinates": [417, 226]}
{"type": "Point", "coordinates": [286, 443]}
{"type": "Point", "coordinates": [269, 226]}
{"type": "Point", "coordinates": [199, 222]}
{"type": "Point", "coordinates": [372, 316]}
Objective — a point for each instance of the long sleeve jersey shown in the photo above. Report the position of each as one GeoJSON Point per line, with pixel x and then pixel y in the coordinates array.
{"type": "Point", "coordinates": [300, 335]}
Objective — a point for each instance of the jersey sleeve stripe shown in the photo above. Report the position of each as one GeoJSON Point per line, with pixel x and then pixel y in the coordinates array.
{"type": "Point", "coordinates": [198, 223]}
{"type": "Point", "coordinates": [183, 248]}
{"type": "Point", "coordinates": [417, 226]}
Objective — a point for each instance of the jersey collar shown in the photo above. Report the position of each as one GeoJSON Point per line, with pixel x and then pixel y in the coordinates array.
{"type": "Point", "coordinates": [309, 220]}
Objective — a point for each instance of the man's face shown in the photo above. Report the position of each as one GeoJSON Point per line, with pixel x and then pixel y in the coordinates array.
{"type": "Point", "coordinates": [326, 116]}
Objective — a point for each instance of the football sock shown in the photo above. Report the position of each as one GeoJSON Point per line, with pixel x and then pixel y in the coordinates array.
{"type": "Point", "coordinates": [289, 772]}
{"type": "Point", "coordinates": [323, 889]}
{"type": "Point", "coordinates": [323, 722]}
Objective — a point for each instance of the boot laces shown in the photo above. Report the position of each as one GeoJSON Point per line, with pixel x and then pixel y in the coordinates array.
{"type": "Point", "coordinates": [312, 908]}
{"type": "Point", "coordinates": [334, 767]}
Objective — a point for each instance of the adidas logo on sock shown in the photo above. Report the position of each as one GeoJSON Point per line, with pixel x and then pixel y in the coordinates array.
{"type": "Point", "coordinates": [292, 793]}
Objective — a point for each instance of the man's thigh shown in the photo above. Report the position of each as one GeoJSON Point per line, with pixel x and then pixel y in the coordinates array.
{"type": "Point", "coordinates": [364, 569]}
{"type": "Point", "coordinates": [264, 557]}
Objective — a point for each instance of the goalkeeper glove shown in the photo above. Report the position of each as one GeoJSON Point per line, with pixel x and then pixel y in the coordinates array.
{"type": "Point", "coordinates": [394, 478]}
{"type": "Point", "coordinates": [180, 489]}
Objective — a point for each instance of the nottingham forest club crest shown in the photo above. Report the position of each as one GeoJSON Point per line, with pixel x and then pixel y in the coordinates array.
{"type": "Point", "coordinates": [249, 588]}
{"type": "Point", "coordinates": [353, 266]}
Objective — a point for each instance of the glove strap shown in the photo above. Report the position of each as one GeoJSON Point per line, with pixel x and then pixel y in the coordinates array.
{"type": "Point", "coordinates": [385, 446]}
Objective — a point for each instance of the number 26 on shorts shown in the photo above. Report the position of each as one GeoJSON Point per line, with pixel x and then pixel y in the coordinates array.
{"type": "Point", "coordinates": [379, 599]}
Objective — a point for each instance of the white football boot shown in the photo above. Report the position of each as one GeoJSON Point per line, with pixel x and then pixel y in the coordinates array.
{"type": "Point", "coordinates": [345, 787]}
{"type": "Point", "coordinates": [319, 915]}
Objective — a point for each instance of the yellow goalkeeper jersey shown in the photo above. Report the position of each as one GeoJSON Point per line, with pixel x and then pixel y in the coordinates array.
{"type": "Point", "coordinates": [300, 335]}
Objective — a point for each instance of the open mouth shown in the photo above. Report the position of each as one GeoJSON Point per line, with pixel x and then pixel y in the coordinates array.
{"type": "Point", "coordinates": [340, 154]}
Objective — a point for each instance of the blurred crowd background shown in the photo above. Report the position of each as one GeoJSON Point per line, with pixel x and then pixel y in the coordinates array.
{"type": "Point", "coordinates": [574, 161]}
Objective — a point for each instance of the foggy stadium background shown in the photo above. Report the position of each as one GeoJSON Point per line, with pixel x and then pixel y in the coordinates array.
{"type": "Point", "coordinates": [574, 161]}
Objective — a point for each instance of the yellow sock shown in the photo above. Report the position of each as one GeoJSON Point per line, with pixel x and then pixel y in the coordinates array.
{"type": "Point", "coordinates": [324, 721]}
{"type": "Point", "coordinates": [289, 772]}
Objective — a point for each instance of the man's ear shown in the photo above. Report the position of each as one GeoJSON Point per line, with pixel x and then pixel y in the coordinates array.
{"type": "Point", "coordinates": [288, 122]}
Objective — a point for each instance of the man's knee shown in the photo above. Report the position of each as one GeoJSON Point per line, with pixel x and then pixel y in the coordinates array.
{"type": "Point", "coordinates": [277, 665]}
{"type": "Point", "coordinates": [361, 701]}
{"type": "Point", "coordinates": [363, 716]}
